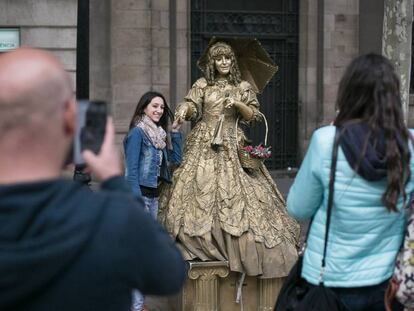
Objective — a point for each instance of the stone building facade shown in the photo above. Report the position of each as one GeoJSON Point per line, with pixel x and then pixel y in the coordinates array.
{"type": "Point", "coordinates": [143, 53]}
{"type": "Point", "coordinates": [140, 45]}
{"type": "Point", "coordinates": [45, 24]}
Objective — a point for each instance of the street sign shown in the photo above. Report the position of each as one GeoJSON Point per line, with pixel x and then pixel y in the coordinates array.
{"type": "Point", "coordinates": [9, 39]}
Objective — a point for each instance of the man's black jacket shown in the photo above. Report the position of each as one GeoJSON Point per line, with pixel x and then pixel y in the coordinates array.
{"type": "Point", "coordinates": [63, 247]}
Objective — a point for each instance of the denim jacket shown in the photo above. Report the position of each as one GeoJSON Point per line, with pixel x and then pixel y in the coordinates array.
{"type": "Point", "coordinates": [142, 158]}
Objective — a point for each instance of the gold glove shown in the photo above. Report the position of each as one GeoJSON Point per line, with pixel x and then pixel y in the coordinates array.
{"type": "Point", "coordinates": [184, 111]}
{"type": "Point", "coordinates": [245, 111]}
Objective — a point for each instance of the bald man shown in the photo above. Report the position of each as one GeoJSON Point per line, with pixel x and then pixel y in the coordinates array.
{"type": "Point", "coordinates": [63, 247]}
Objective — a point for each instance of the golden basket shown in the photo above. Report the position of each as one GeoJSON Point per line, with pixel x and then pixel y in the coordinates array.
{"type": "Point", "coordinates": [246, 160]}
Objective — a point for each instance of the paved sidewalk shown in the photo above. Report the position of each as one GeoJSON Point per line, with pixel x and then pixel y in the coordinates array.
{"type": "Point", "coordinates": [283, 184]}
{"type": "Point", "coordinates": [283, 180]}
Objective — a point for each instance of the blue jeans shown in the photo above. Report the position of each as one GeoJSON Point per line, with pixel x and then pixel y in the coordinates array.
{"type": "Point", "coordinates": [151, 206]}
{"type": "Point", "coordinates": [137, 300]}
{"type": "Point", "coordinates": [368, 298]}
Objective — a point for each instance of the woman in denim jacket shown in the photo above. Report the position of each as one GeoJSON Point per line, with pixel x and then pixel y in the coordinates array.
{"type": "Point", "coordinates": [147, 151]}
{"type": "Point", "coordinates": [148, 156]}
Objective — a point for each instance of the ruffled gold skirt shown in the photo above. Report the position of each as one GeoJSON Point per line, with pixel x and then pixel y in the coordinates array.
{"type": "Point", "coordinates": [217, 211]}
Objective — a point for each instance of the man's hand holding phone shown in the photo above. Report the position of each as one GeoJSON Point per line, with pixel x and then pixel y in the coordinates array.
{"type": "Point", "coordinates": [106, 163]}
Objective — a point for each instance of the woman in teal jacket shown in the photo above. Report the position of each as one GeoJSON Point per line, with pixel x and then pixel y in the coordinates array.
{"type": "Point", "coordinates": [372, 187]}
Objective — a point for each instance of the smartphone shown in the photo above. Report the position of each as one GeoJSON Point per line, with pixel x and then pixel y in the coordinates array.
{"type": "Point", "coordinates": [90, 128]}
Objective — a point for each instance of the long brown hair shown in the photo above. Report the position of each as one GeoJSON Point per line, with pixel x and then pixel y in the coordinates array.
{"type": "Point", "coordinates": [370, 91]}
{"type": "Point", "coordinates": [143, 103]}
{"type": "Point", "coordinates": [216, 50]}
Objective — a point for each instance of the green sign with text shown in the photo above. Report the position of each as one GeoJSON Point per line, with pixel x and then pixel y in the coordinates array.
{"type": "Point", "coordinates": [9, 39]}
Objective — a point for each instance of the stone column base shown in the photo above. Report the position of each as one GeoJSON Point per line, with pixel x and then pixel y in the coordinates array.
{"type": "Point", "coordinates": [211, 286]}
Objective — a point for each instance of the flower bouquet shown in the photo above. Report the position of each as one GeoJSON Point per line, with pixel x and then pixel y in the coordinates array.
{"type": "Point", "coordinates": [258, 152]}
{"type": "Point", "coordinates": [252, 157]}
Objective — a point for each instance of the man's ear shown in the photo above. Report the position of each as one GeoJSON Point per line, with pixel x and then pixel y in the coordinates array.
{"type": "Point", "coordinates": [69, 117]}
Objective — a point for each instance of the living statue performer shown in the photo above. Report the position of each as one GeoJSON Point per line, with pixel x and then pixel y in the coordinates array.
{"type": "Point", "coordinates": [215, 209]}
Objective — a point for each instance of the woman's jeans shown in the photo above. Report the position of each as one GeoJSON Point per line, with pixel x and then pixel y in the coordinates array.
{"type": "Point", "coordinates": [137, 300]}
{"type": "Point", "coordinates": [368, 298]}
{"type": "Point", "coordinates": [151, 206]}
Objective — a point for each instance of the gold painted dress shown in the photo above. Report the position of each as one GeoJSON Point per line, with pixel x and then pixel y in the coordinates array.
{"type": "Point", "coordinates": [214, 208]}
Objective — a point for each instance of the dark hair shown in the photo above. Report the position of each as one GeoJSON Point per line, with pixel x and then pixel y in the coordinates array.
{"type": "Point", "coordinates": [369, 91]}
{"type": "Point", "coordinates": [143, 103]}
{"type": "Point", "coordinates": [216, 50]}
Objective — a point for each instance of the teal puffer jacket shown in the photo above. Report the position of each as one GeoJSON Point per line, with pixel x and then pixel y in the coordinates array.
{"type": "Point", "coordinates": [364, 237]}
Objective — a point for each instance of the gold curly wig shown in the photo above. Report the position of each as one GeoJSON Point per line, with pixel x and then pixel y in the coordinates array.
{"type": "Point", "coordinates": [217, 50]}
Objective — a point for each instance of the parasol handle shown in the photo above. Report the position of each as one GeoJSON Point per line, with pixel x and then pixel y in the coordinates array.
{"type": "Point", "coordinates": [267, 127]}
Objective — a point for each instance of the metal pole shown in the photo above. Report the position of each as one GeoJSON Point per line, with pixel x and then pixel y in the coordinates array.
{"type": "Point", "coordinates": [82, 51]}
{"type": "Point", "coordinates": [82, 70]}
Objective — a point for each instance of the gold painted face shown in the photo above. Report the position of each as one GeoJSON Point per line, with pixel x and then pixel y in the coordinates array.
{"type": "Point", "coordinates": [223, 64]}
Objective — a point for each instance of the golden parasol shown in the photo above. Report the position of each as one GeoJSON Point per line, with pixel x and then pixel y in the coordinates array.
{"type": "Point", "coordinates": [256, 66]}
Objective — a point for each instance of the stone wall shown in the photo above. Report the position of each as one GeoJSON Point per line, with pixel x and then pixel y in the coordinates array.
{"type": "Point", "coordinates": [140, 43]}
{"type": "Point", "coordinates": [308, 62]}
{"type": "Point", "coordinates": [371, 16]}
{"type": "Point", "coordinates": [183, 46]}
{"type": "Point", "coordinates": [328, 41]}
{"type": "Point", "coordinates": [183, 68]}
{"type": "Point", "coordinates": [46, 24]}
{"type": "Point", "coordinates": [100, 50]}
{"type": "Point", "coordinates": [341, 46]}
{"type": "Point", "coordinates": [131, 57]}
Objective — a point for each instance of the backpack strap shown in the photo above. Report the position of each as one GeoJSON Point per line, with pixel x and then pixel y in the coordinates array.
{"type": "Point", "coordinates": [330, 200]}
